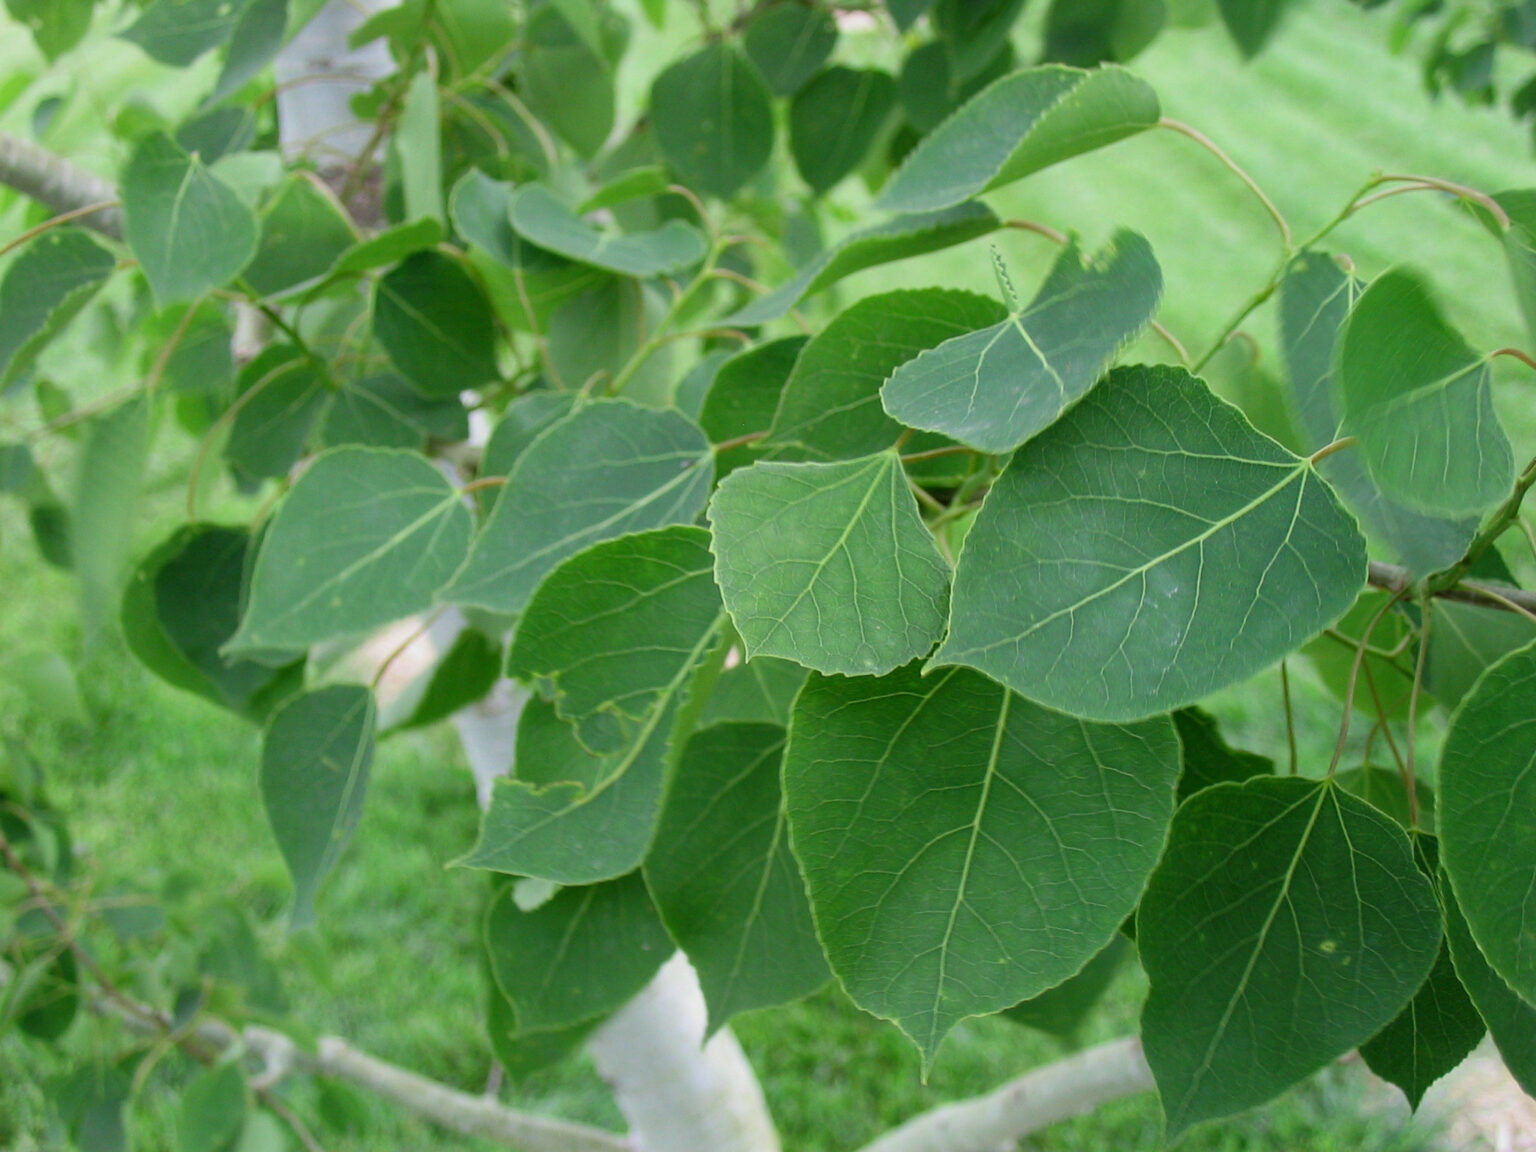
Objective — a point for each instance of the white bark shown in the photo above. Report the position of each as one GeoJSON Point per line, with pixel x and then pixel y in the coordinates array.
{"type": "Point", "coordinates": [678, 1093]}
{"type": "Point", "coordinates": [317, 76]}
{"type": "Point", "coordinates": [54, 181]}
{"type": "Point", "coordinates": [1072, 1087]}
{"type": "Point", "coordinates": [471, 1115]}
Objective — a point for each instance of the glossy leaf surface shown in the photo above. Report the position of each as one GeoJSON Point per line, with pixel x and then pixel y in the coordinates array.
{"type": "Point", "coordinates": [723, 877]}
{"type": "Point", "coordinates": [829, 565]}
{"type": "Point", "coordinates": [995, 388]}
{"type": "Point", "coordinates": [1024, 122]}
{"type": "Point", "coordinates": [580, 955]}
{"type": "Point", "coordinates": [1420, 402]}
{"type": "Point", "coordinates": [1286, 924]}
{"type": "Point", "coordinates": [188, 228]}
{"type": "Point", "coordinates": [965, 849]}
{"type": "Point", "coordinates": [366, 536]}
{"type": "Point", "coordinates": [315, 758]}
{"type": "Point", "coordinates": [609, 468]}
{"type": "Point", "coordinates": [1487, 830]}
{"type": "Point", "coordinates": [1151, 528]}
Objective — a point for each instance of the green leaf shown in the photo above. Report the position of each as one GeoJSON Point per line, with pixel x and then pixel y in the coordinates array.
{"type": "Point", "coordinates": [91, 1101]}
{"type": "Point", "coordinates": [177, 32]}
{"type": "Point", "coordinates": [635, 184]}
{"type": "Point", "coordinates": [1487, 836]}
{"type": "Point", "coordinates": [609, 468]}
{"type": "Point", "coordinates": [383, 411]}
{"type": "Point", "coordinates": [745, 395]}
{"type": "Point", "coordinates": [564, 82]}
{"type": "Point", "coordinates": [964, 848]}
{"type": "Point", "coordinates": [1420, 402]}
{"type": "Point", "coordinates": [1089, 32]}
{"type": "Point", "coordinates": [898, 239]}
{"type": "Point", "coordinates": [108, 482]}
{"type": "Point", "coordinates": [754, 692]}
{"type": "Point", "coordinates": [906, 12]}
{"type": "Point", "coordinates": [304, 231]}
{"type": "Point", "coordinates": [997, 387]}
{"type": "Point", "coordinates": [1519, 241]}
{"type": "Point", "coordinates": [436, 324]}
{"type": "Point", "coordinates": [389, 246]}
{"type": "Point", "coordinates": [1252, 22]}
{"type": "Point", "coordinates": [418, 148]}
{"type": "Point", "coordinates": [1383, 684]}
{"type": "Point", "coordinates": [56, 25]}
{"type": "Point", "coordinates": [830, 408]}
{"type": "Point", "coordinates": [521, 1054]}
{"type": "Point", "coordinates": [1024, 122]}
{"type": "Point", "coordinates": [525, 420]}
{"type": "Point", "coordinates": [1087, 565]}
{"type": "Point", "coordinates": [284, 395]}
{"type": "Point", "coordinates": [582, 954]}
{"type": "Point", "coordinates": [45, 287]}
{"type": "Point", "coordinates": [366, 536]}
{"type": "Point", "coordinates": [314, 772]}
{"type": "Point", "coordinates": [549, 752]}
{"type": "Point", "coordinates": [1208, 759]}
{"type": "Point", "coordinates": [713, 120]}
{"type": "Point", "coordinates": [218, 133]}
{"type": "Point", "coordinates": [466, 673]}
{"type": "Point", "coordinates": [182, 606]}
{"type": "Point", "coordinates": [931, 91]}
{"type": "Point", "coordinates": [190, 231]}
{"type": "Point", "coordinates": [723, 878]}
{"type": "Point", "coordinates": [543, 220]}
{"type": "Point", "coordinates": [1383, 789]}
{"type": "Point", "coordinates": [789, 43]}
{"type": "Point", "coordinates": [202, 361]}
{"type": "Point", "coordinates": [1286, 924]}
{"type": "Point", "coordinates": [1511, 1021]}
{"type": "Point", "coordinates": [1464, 640]}
{"type": "Point", "coordinates": [829, 565]}
{"type": "Point", "coordinates": [619, 630]}
{"type": "Point", "coordinates": [253, 44]}
{"type": "Point", "coordinates": [974, 31]}
{"type": "Point", "coordinates": [482, 213]}
{"type": "Point", "coordinates": [616, 627]}
{"type": "Point", "coordinates": [596, 333]}
{"type": "Point", "coordinates": [1436, 1031]}
{"type": "Point", "coordinates": [1062, 1010]}
{"type": "Point", "coordinates": [835, 120]}
{"type": "Point", "coordinates": [212, 1110]}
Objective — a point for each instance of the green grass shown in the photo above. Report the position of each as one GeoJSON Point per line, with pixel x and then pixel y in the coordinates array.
{"type": "Point", "coordinates": [161, 787]}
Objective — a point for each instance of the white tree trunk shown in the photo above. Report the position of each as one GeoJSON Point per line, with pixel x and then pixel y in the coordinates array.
{"type": "Point", "coordinates": [317, 76]}
{"type": "Point", "coordinates": [678, 1093]}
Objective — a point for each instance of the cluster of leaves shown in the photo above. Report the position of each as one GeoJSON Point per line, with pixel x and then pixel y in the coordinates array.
{"type": "Point", "coordinates": [872, 650]}
{"type": "Point", "coordinates": [1467, 48]}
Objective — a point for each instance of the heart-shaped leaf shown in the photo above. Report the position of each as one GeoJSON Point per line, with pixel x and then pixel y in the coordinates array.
{"type": "Point", "coordinates": [1147, 549]}
{"type": "Point", "coordinates": [1024, 122]}
{"type": "Point", "coordinates": [997, 387]}
{"type": "Point", "coordinates": [964, 848]}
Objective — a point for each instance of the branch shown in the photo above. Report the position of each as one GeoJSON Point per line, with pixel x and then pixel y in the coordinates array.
{"type": "Point", "coordinates": [1395, 579]}
{"type": "Point", "coordinates": [1045, 1096]}
{"type": "Point", "coordinates": [471, 1115]}
{"type": "Point", "coordinates": [54, 181]}
{"type": "Point", "coordinates": [280, 1056]}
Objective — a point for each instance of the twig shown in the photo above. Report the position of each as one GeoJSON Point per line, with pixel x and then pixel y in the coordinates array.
{"type": "Point", "coordinates": [1215, 150]}
{"type": "Point", "coordinates": [1290, 715]}
{"type": "Point", "coordinates": [1394, 579]}
{"type": "Point", "coordinates": [1410, 784]}
{"type": "Point", "coordinates": [54, 181]}
{"type": "Point", "coordinates": [62, 218]}
{"type": "Point", "coordinates": [1044, 1096]}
